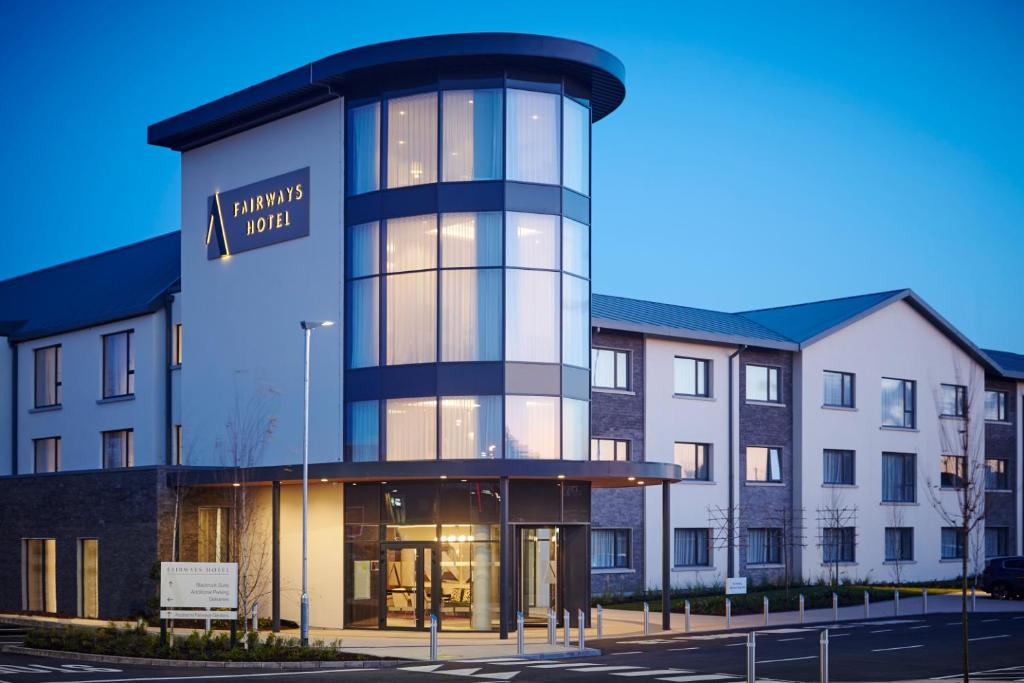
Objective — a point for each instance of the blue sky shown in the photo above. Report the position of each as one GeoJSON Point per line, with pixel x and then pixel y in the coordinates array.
{"type": "Point", "coordinates": [766, 153]}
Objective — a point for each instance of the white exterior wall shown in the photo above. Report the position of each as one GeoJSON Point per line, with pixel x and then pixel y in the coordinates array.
{"type": "Point", "coordinates": [242, 339]}
{"type": "Point", "coordinates": [83, 415]}
{"type": "Point", "coordinates": [894, 342]}
{"type": "Point", "coordinates": [669, 419]}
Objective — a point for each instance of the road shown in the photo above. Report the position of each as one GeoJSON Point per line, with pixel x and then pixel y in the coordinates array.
{"type": "Point", "coordinates": [912, 648]}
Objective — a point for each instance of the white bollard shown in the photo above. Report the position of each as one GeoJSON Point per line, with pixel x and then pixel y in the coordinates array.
{"type": "Point", "coordinates": [835, 607]}
{"type": "Point", "coordinates": [433, 637]}
{"type": "Point", "coordinates": [256, 617]}
{"type": "Point", "coordinates": [974, 599]}
{"type": "Point", "coordinates": [766, 610]}
{"type": "Point", "coordinates": [552, 627]}
{"type": "Point", "coordinates": [582, 621]}
{"type": "Point", "coordinates": [751, 659]}
{"type": "Point", "coordinates": [924, 601]}
{"type": "Point", "coordinates": [520, 634]}
{"type": "Point", "coordinates": [896, 603]}
{"type": "Point", "coordinates": [600, 622]}
{"type": "Point", "coordinates": [823, 657]}
{"type": "Point", "coordinates": [686, 609]}
{"type": "Point", "coordinates": [566, 620]}
{"type": "Point", "coordinates": [647, 619]}
{"type": "Point", "coordinates": [728, 613]}
{"type": "Point", "coordinates": [801, 608]}
{"type": "Point", "coordinates": [867, 605]}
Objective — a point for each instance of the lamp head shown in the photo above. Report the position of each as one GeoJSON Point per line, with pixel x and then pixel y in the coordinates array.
{"type": "Point", "coordinates": [313, 324]}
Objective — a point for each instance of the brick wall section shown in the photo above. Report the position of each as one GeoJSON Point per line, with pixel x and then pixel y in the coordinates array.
{"type": "Point", "coordinates": [620, 416]}
{"type": "Point", "coordinates": [765, 425]}
{"type": "Point", "coordinates": [1001, 442]}
{"type": "Point", "coordinates": [117, 507]}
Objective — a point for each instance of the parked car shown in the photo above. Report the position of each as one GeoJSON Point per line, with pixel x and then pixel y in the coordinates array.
{"type": "Point", "coordinates": [1003, 577]}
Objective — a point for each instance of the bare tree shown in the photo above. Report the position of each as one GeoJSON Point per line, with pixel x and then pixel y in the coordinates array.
{"type": "Point", "coordinates": [960, 499]}
{"type": "Point", "coordinates": [836, 522]}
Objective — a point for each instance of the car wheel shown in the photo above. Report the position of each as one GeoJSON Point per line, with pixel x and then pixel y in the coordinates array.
{"type": "Point", "coordinates": [1000, 591]}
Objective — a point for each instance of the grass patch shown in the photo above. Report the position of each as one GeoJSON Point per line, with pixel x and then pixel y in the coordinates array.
{"type": "Point", "coordinates": [138, 642]}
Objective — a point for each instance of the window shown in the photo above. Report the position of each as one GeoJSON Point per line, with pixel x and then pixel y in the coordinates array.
{"type": "Point", "coordinates": [531, 240]}
{"type": "Point", "coordinates": [899, 544]}
{"type": "Point", "coordinates": [839, 468]}
{"type": "Point", "coordinates": [575, 248]}
{"type": "Point", "coordinates": [997, 541]}
{"type": "Point", "coordinates": [995, 405]}
{"type": "Point", "coordinates": [762, 383]}
{"type": "Point", "coordinates": [48, 376]}
{"type": "Point", "coordinates": [471, 314]}
{"type": "Point", "coordinates": [412, 140]}
{"type": "Point", "coordinates": [118, 364]}
{"type": "Point", "coordinates": [118, 448]}
{"type": "Point", "coordinates": [363, 249]}
{"type": "Point", "coordinates": [531, 427]}
{"type": "Point", "coordinates": [362, 433]}
{"type": "Point", "coordinates": [214, 534]}
{"type": "Point", "coordinates": [177, 344]}
{"type": "Point", "coordinates": [575, 428]}
{"type": "Point", "coordinates": [179, 446]}
{"type": "Point", "coordinates": [531, 316]}
{"type": "Point", "coordinates": [40, 574]}
{"type": "Point", "coordinates": [362, 167]}
{"type": "Point", "coordinates": [996, 474]}
{"type": "Point", "coordinates": [411, 320]}
{"type": "Point", "coordinates": [471, 427]}
{"type": "Point", "coordinates": [952, 471]}
{"type": "Point", "coordinates": [692, 548]}
{"type": "Point", "coordinates": [609, 549]}
{"type": "Point", "coordinates": [764, 546]}
{"type": "Point", "coordinates": [472, 135]}
{"type": "Point", "coordinates": [899, 477]}
{"type": "Point", "coordinates": [411, 429]}
{"type": "Point", "coordinates": [839, 389]}
{"type": "Point", "coordinates": [952, 543]}
{"type": "Point", "coordinates": [898, 402]}
{"type": "Point", "coordinates": [411, 244]}
{"type": "Point", "coordinates": [363, 320]}
{"type": "Point", "coordinates": [954, 400]}
{"type": "Point", "coordinates": [838, 544]}
{"type": "Point", "coordinates": [609, 449]}
{"type": "Point", "coordinates": [88, 578]}
{"type": "Point", "coordinates": [764, 464]}
{"type": "Point", "coordinates": [575, 321]}
{"type": "Point", "coordinates": [693, 459]}
{"type": "Point", "coordinates": [471, 240]}
{"type": "Point", "coordinates": [576, 142]}
{"type": "Point", "coordinates": [609, 369]}
{"type": "Point", "coordinates": [47, 454]}
{"type": "Point", "coordinates": [532, 124]}
{"type": "Point", "coordinates": [691, 377]}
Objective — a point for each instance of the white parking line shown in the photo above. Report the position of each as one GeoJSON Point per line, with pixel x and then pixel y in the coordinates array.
{"type": "Point", "coordinates": [631, 652]}
{"type": "Point", "coordinates": [788, 659]}
{"type": "Point", "coordinates": [915, 628]}
{"type": "Point", "coordinates": [837, 635]}
{"type": "Point", "coordinates": [881, 630]}
{"type": "Point", "coordinates": [590, 669]}
{"type": "Point", "coordinates": [208, 677]}
{"type": "Point", "coordinates": [1005, 635]}
{"type": "Point", "coordinates": [559, 666]}
{"type": "Point", "coordinates": [985, 621]}
{"type": "Point", "coordinates": [681, 649]}
{"type": "Point", "coordinates": [788, 640]}
{"type": "Point", "coordinates": [890, 649]}
{"type": "Point", "coordinates": [653, 672]}
{"type": "Point", "coordinates": [698, 677]}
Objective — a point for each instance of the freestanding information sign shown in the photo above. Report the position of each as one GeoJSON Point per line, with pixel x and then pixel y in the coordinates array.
{"type": "Point", "coordinates": [198, 590]}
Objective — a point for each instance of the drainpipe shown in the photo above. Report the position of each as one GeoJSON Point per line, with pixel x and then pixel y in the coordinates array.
{"type": "Point", "coordinates": [168, 394]}
{"type": "Point", "coordinates": [730, 528]}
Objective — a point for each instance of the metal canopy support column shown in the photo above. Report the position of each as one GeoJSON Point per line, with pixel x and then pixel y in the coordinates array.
{"type": "Point", "coordinates": [666, 524]}
{"type": "Point", "coordinates": [505, 567]}
{"type": "Point", "coordinates": [275, 580]}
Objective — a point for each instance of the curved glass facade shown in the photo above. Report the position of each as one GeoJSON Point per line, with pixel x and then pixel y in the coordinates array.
{"type": "Point", "coordinates": [500, 292]}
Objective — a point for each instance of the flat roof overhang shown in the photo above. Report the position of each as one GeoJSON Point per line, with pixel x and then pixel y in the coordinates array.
{"type": "Point", "coordinates": [599, 474]}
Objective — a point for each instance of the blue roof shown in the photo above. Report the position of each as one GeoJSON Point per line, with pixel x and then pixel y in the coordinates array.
{"type": "Point", "coordinates": [696, 323]}
{"type": "Point", "coordinates": [803, 322]}
{"type": "Point", "coordinates": [1012, 364]}
{"type": "Point", "coordinates": [114, 285]}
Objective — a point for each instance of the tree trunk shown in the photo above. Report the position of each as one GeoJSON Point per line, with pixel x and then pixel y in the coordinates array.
{"type": "Point", "coordinates": [963, 608]}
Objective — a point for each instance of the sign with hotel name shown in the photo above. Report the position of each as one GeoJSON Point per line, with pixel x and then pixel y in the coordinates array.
{"type": "Point", "coordinates": [199, 585]}
{"type": "Point", "coordinates": [258, 215]}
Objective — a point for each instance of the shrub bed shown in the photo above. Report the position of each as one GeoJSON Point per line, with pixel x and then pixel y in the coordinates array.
{"type": "Point", "coordinates": [138, 642]}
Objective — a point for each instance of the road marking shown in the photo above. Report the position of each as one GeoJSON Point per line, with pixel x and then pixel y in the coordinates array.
{"type": "Point", "coordinates": [915, 628]}
{"type": "Point", "coordinates": [735, 645]}
{"type": "Point", "coordinates": [890, 649]}
{"type": "Point", "coordinates": [208, 677]}
{"type": "Point", "coordinates": [503, 676]}
{"type": "Point", "coordinates": [606, 668]}
{"type": "Point", "coordinates": [788, 659]}
{"type": "Point", "coordinates": [460, 672]}
{"type": "Point", "coordinates": [681, 649]}
{"type": "Point", "coordinates": [654, 672]}
{"type": "Point", "coordinates": [699, 677]}
{"type": "Point", "coordinates": [426, 668]}
{"type": "Point", "coordinates": [837, 635]}
{"type": "Point", "coordinates": [631, 652]}
{"type": "Point", "coordinates": [952, 623]}
{"type": "Point", "coordinates": [985, 621]}
{"type": "Point", "coordinates": [1005, 635]}
{"type": "Point", "coordinates": [881, 630]}
{"type": "Point", "coordinates": [560, 666]}
{"type": "Point", "coordinates": [789, 640]}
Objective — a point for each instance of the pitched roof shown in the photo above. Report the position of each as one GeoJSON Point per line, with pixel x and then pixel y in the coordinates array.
{"type": "Point", "coordinates": [113, 285]}
{"type": "Point", "coordinates": [1011, 364]}
{"type": "Point", "coordinates": [805, 322]}
{"type": "Point", "coordinates": [683, 321]}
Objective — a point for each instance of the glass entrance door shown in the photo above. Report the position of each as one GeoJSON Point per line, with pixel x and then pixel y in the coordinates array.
{"type": "Point", "coordinates": [538, 563]}
{"type": "Point", "coordinates": [407, 586]}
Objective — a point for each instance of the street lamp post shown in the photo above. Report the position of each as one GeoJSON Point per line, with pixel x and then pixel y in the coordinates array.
{"type": "Point", "coordinates": [307, 327]}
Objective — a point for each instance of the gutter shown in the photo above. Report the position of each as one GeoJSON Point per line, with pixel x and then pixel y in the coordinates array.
{"type": "Point", "coordinates": [730, 527]}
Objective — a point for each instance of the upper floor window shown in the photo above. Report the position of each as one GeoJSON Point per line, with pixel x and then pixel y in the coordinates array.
{"type": "Point", "coordinates": [118, 364]}
{"type": "Point", "coordinates": [898, 403]}
{"type": "Point", "coordinates": [997, 476]}
{"type": "Point", "coordinates": [609, 368]}
{"type": "Point", "coordinates": [119, 448]}
{"type": "Point", "coordinates": [693, 459]}
{"type": "Point", "coordinates": [48, 376]}
{"type": "Point", "coordinates": [362, 168]}
{"type": "Point", "coordinates": [899, 477]}
{"type": "Point", "coordinates": [952, 471]}
{"type": "Point", "coordinates": [472, 135]}
{"type": "Point", "coordinates": [47, 454]}
{"type": "Point", "coordinates": [692, 548]}
{"type": "Point", "coordinates": [995, 405]}
{"type": "Point", "coordinates": [533, 122]}
{"type": "Point", "coordinates": [954, 400]}
{"type": "Point", "coordinates": [177, 344]}
{"type": "Point", "coordinates": [412, 140]}
{"type": "Point", "coordinates": [609, 549]}
{"type": "Point", "coordinates": [764, 464]}
{"type": "Point", "coordinates": [691, 376]}
{"type": "Point", "coordinates": [576, 140]}
{"type": "Point", "coordinates": [838, 468]}
{"type": "Point", "coordinates": [762, 383]}
{"type": "Point", "coordinates": [839, 389]}
{"type": "Point", "coordinates": [609, 449]}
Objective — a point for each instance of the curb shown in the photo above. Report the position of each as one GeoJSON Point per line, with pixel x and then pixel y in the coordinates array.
{"type": "Point", "coordinates": [113, 659]}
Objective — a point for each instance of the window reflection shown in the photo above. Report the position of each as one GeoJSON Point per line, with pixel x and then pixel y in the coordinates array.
{"type": "Point", "coordinates": [531, 427]}
{"type": "Point", "coordinates": [471, 427]}
{"type": "Point", "coordinates": [575, 429]}
{"type": "Point", "coordinates": [363, 322]}
{"type": "Point", "coordinates": [362, 168]}
{"type": "Point", "coordinates": [412, 140]}
{"type": "Point", "coordinates": [576, 155]}
{"type": "Point", "coordinates": [361, 435]}
{"type": "Point", "coordinates": [363, 249]}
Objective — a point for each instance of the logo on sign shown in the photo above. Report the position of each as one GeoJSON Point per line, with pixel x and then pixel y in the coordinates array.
{"type": "Point", "coordinates": [258, 215]}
